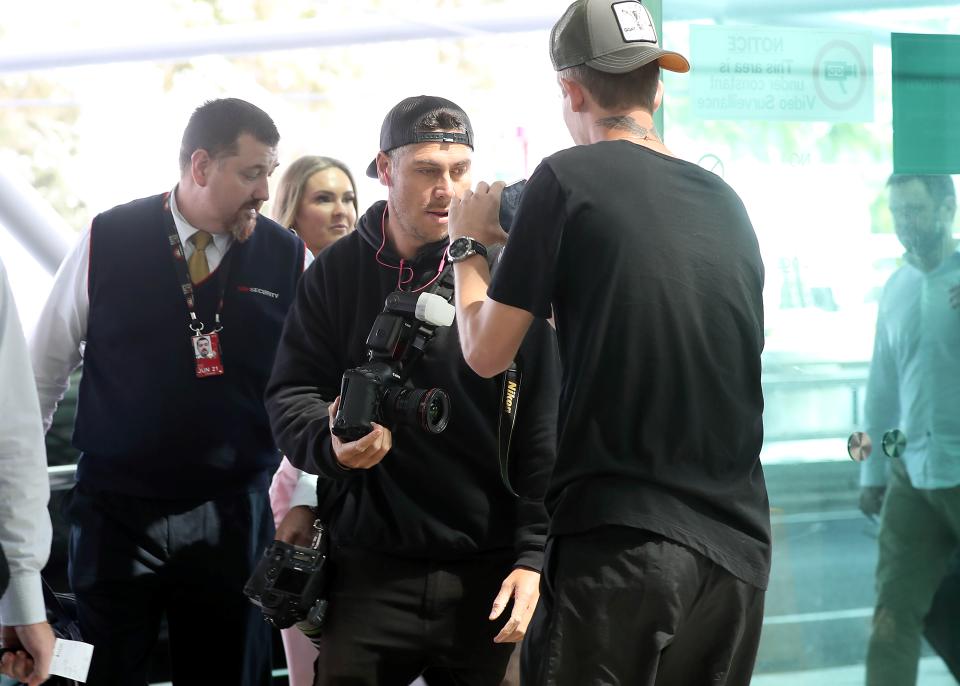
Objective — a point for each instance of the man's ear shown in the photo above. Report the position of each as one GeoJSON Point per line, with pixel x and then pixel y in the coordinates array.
{"type": "Point", "coordinates": [576, 93]}
{"type": "Point", "coordinates": [200, 162]}
{"type": "Point", "coordinates": [658, 98]}
{"type": "Point", "coordinates": [948, 210]}
{"type": "Point", "coordinates": [384, 169]}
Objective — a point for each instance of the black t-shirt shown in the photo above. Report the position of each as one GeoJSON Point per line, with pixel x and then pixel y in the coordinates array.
{"type": "Point", "coordinates": [651, 267]}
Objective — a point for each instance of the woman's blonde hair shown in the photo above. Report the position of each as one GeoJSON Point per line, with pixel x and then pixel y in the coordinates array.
{"type": "Point", "coordinates": [294, 180]}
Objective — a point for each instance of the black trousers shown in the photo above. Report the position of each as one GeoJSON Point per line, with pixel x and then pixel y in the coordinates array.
{"type": "Point", "coordinates": [624, 606]}
{"type": "Point", "coordinates": [392, 619]}
{"type": "Point", "coordinates": [134, 559]}
{"type": "Point", "coordinates": [940, 628]}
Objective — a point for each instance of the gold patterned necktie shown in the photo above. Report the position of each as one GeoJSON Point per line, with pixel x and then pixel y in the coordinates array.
{"type": "Point", "coordinates": [197, 264]}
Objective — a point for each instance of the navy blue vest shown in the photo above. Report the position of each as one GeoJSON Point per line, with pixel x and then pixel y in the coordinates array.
{"type": "Point", "coordinates": [145, 424]}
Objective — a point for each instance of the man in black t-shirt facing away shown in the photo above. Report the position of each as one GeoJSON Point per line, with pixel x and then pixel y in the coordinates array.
{"type": "Point", "coordinates": [659, 545]}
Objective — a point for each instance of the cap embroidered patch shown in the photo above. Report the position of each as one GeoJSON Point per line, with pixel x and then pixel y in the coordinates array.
{"type": "Point", "coordinates": [636, 24]}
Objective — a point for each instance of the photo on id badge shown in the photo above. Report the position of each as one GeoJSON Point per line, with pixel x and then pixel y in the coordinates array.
{"type": "Point", "coordinates": [206, 351]}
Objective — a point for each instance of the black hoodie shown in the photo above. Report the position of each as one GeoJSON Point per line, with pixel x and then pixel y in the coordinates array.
{"type": "Point", "coordinates": [432, 496]}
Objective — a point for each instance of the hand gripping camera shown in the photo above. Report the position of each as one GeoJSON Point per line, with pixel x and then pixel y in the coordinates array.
{"type": "Point", "coordinates": [288, 584]}
{"type": "Point", "coordinates": [379, 391]}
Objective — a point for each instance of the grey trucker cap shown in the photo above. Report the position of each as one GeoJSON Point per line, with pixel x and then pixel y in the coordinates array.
{"type": "Point", "coordinates": [613, 37]}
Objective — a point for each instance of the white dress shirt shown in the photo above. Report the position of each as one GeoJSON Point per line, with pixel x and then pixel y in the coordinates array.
{"type": "Point", "coordinates": [914, 383]}
{"type": "Point", "coordinates": [24, 485]}
{"type": "Point", "coordinates": [57, 342]}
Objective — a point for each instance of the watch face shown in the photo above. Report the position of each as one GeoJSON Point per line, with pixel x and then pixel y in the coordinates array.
{"type": "Point", "coordinates": [459, 248]}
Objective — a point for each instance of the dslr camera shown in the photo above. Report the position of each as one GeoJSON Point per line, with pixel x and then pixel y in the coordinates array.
{"type": "Point", "coordinates": [380, 391]}
{"type": "Point", "coordinates": [288, 583]}
{"type": "Point", "coordinates": [509, 202]}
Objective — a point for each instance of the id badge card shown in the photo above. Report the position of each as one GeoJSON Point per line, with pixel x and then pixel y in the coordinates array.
{"type": "Point", "coordinates": [206, 351]}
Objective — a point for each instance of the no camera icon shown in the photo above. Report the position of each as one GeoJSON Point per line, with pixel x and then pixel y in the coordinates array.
{"type": "Point", "coordinates": [828, 69]}
{"type": "Point", "coordinates": [838, 72]}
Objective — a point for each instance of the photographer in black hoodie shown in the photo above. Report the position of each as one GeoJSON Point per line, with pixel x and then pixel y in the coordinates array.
{"type": "Point", "coordinates": [430, 547]}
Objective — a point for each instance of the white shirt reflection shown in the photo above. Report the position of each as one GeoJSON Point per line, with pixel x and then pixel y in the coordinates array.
{"type": "Point", "coordinates": [914, 381]}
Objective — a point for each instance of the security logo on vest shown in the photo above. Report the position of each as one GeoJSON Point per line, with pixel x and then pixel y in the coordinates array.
{"type": "Point", "coordinates": [258, 291]}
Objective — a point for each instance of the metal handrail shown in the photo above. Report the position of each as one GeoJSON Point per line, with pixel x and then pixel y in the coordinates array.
{"type": "Point", "coordinates": [63, 477]}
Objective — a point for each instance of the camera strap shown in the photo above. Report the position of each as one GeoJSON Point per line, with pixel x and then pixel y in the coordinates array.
{"type": "Point", "coordinates": [508, 417]}
{"type": "Point", "coordinates": [509, 397]}
{"type": "Point", "coordinates": [443, 285]}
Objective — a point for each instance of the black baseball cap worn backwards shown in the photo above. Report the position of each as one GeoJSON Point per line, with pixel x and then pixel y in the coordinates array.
{"type": "Point", "coordinates": [400, 125]}
{"type": "Point", "coordinates": [609, 36]}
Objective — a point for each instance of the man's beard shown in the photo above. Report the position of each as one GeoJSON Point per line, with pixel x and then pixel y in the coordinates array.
{"type": "Point", "coordinates": [243, 224]}
{"type": "Point", "coordinates": [408, 224]}
{"type": "Point", "coordinates": [922, 243]}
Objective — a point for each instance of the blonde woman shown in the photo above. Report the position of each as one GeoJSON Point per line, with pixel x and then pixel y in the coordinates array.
{"type": "Point", "coordinates": [317, 198]}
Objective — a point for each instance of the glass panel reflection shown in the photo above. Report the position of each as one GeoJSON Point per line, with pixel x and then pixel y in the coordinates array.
{"type": "Point", "coordinates": [863, 325]}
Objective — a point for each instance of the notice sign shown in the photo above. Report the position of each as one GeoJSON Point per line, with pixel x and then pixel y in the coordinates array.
{"type": "Point", "coordinates": [780, 74]}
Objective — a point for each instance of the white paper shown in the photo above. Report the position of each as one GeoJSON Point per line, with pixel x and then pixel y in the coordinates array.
{"type": "Point", "coordinates": [71, 659]}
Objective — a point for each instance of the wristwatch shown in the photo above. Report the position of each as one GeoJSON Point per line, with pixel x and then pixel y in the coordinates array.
{"type": "Point", "coordinates": [464, 247]}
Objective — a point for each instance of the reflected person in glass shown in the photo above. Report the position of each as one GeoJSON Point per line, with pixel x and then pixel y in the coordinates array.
{"type": "Point", "coordinates": [914, 385]}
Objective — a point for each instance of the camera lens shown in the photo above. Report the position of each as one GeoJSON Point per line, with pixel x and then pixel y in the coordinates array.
{"type": "Point", "coordinates": [434, 410]}
{"type": "Point", "coordinates": [428, 409]}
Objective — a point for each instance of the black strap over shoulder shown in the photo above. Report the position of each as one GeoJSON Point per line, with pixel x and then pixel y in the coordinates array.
{"type": "Point", "coordinates": [508, 418]}
{"type": "Point", "coordinates": [510, 397]}
{"type": "Point", "coordinates": [442, 286]}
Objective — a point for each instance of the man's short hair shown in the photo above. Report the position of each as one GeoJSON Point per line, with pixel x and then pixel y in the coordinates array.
{"type": "Point", "coordinates": [443, 120]}
{"type": "Point", "coordinates": [939, 186]}
{"type": "Point", "coordinates": [635, 89]}
{"type": "Point", "coordinates": [216, 125]}
{"type": "Point", "coordinates": [420, 119]}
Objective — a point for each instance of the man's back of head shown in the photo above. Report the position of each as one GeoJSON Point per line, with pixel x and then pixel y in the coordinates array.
{"type": "Point", "coordinates": [612, 49]}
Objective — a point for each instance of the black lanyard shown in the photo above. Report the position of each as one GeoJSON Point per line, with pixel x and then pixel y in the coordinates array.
{"type": "Point", "coordinates": [186, 285]}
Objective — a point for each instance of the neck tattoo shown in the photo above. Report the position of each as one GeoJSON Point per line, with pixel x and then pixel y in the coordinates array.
{"type": "Point", "coordinates": [630, 125]}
